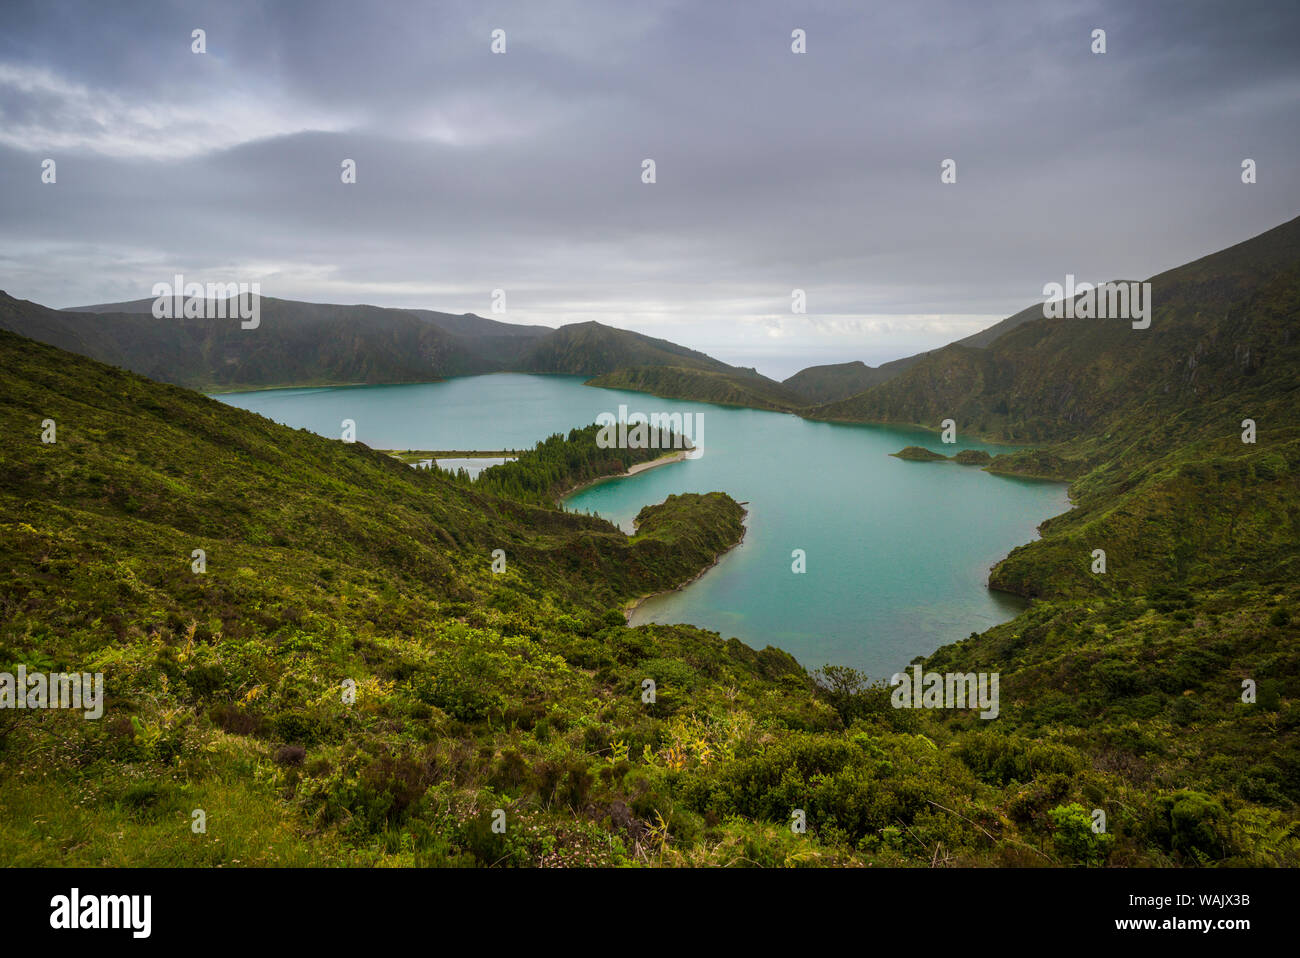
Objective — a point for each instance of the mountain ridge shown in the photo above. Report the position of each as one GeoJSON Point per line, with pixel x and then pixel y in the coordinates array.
{"type": "Point", "coordinates": [1048, 379]}
{"type": "Point", "coordinates": [317, 344]}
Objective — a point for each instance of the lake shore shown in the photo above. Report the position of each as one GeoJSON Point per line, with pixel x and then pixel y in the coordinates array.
{"type": "Point", "coordinates": [839, 463]}
{"type": "Point", "coordinates": [416, 455]}
{"type": "Point", "coordinates": [630, 607]}
{"type": "Point", "coordinates": [639, 467]}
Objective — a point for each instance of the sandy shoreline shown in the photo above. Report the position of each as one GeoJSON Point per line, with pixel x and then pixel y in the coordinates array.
{"type": "Point", "coordinates": [639, 467]}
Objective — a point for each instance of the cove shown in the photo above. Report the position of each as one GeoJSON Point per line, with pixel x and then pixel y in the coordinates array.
{"type": "Point", "coordinates": [897, 552]}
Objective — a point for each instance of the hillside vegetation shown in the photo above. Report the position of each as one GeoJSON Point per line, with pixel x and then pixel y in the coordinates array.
{"type": "Point", "coordinates": [1147, 424]}
{"type": "Point", "coordinates": [823, 384]}
{"type": "Point", "coordinates": [593, 349]}
{"type": "Point", "coordinates": [1218, 323]}
{"type": "Point", "coordinates": [317, 344]}
{"type": "Point", "coordinates": [330, 566]}
{"type": "Point", "coordinates": [553, 468]}
{"type": "Point", "coordinates": [725, 388]}
{"type": "Point", "coordinates": [1171, 585]}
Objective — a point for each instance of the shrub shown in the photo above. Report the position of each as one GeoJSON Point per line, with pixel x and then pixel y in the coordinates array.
{"type": "Point", "coordinates": [1191, 824]}
{"type": "Point", "coordinates": [235, 721]}
{"type": "Point", "coordinates": [1074, 837]}
{"type": "Point", "coordinates": [290, 755]}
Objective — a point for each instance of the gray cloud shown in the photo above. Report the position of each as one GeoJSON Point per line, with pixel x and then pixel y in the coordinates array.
{"type": "Point", "coordinates": [775, 171]}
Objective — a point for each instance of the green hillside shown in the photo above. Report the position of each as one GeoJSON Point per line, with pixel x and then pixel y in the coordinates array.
{"type": "Point", "coordinates": [591, 349]}
{"type": "Point", "coordinates": [729, 388]}
{"type": "Point", "coordinates": [317, 344]}
{"type": "Point", "coordinates": [818, 385]}
{"type": "Point", "coordinates": [1148, 425]}
{"type": "Point", "coordinates": [301, 344]}
{"type": "Point", "coordinates": [1142, 661]}
{"type": "Point", "coordinates": [824, 384]}
{"type": "Point", "coordinates": [1218, 324]}
{"type": "Point", "coordinates": [522, 690]}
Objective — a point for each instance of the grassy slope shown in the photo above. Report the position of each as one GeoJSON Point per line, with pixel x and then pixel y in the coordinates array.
{"type": "Point", "coordinates": [593, 349]}
{"type": "Point", "coordinates": [324, 559]}
{"type": "Point", "coordinates": [1218, 323]}
{"type": "Point", "coordinates": [824, 384]}
{"type": "Point", "coordinates": [475, 691]}
{"type": "Point", "coordinates": [727, 388]}
{"type": "Point", "coordinates": [303, 344]}
{"type": "Point", "coordinates": [1143, 665]}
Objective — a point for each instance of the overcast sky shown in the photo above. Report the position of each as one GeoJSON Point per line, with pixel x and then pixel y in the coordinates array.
{"type": "Point", "coordinates": [523, 170]}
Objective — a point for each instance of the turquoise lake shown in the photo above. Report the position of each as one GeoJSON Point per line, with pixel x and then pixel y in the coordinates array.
{"type": "Point", "coordinates": [898, 552]}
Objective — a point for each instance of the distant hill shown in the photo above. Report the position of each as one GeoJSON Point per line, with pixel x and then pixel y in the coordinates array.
{"type": "Point", "coordinates": [295, 344]}
{"type": "Point", "coordinates": [827, 384]}
{"type": "Point", "coordinates": [593, 348]}
{"type": "Point", "coordinates": [462, 324]}
{"type": "Point", "coordinates": [729, 388]}
{"type": "Point", "coordinates": [1217, 322]}
{"type": "Point", "coordinates": [1147, 423]}
{"type": "Point", "coordinates": [985, 337]}
{"type": "Point", "coordinates": [497, 341]}
{"type": "Point", "coordinates": [491, 342]}
{"type": "Point", "coordinates": [823, 384]}
{"type": "Point", "coordinates": [313, 344]}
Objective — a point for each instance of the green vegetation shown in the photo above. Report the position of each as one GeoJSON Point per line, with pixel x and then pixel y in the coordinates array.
{"type": "Point", "coordinates": [325, 562]}
{"type": "Point", "coordinates": [317, 344]}
{"type": "Point", "coordinates": [966, 457]}
{"type": "Point", "coordinates": [919, 454]}
{"type": "Point", "coordinates": [729, 387]}
{"type": "Point", "coordinates": [824, 384]}
{"type": "Point", "coordinates": [972, 457]}
{"type": "Point", "coordinates": [1141, 666]}
{"type": "Point", "coordinates": [560, 464]}
{"type": "Point", "coordinates": [520, 690]}
{"type": "Point", "coordinates": [592, 349]}
{"type": "Point", "coordinates": [1162, 692]}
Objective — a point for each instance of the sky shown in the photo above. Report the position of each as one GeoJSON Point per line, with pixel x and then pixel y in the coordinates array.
{"type": "Point", "coordinates": [523, 170]}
